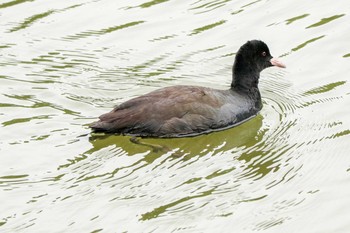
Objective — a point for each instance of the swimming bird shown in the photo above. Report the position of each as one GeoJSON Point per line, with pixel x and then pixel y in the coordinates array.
{"type": "Point", "coordinates": [180, 111]}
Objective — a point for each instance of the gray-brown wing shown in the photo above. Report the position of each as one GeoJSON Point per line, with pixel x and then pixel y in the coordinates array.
{"type": "Point", "coordinates": [172, 110]}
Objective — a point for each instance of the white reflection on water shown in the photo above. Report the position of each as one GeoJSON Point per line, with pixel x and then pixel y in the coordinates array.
{"type": "Point", "coordinates": [64, 63]}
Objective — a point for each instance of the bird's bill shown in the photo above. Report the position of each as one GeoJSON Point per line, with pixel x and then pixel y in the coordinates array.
{"type": "Point", "coordinates": [276, 62]}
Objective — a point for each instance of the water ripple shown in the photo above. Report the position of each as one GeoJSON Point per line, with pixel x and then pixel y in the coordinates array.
{"type": "Point", "coordinates": [29, 21]}
{"type": "Point", "coordinates": [296, 18]}
{"type": "Point", "coordinates": [104, 31]}
{"type": "Point", "coordinates": [13, 3]}
{"type": "Point", "coordinates": [65, 63]}
{"type": "Point", "coordinates": [325, 21]}
{"type": "Point", "coordinates": [207, 27]}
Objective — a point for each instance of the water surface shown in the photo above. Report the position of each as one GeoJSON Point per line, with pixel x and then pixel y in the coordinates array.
{"type": "Point", "coordinates": [63, 63]}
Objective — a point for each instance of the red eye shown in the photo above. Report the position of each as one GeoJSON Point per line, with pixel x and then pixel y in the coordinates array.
{"type": "Point", "coordinates": [263, 54]}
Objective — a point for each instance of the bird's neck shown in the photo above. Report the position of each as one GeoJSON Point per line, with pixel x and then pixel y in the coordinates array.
{"type": "Point", "coordinates": [245, 76]}
{"type": "Point", "coordinates": [245, 80]}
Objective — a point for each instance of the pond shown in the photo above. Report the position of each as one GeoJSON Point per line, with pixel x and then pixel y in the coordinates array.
{"type": "Point", "coordinates": [64, 63]}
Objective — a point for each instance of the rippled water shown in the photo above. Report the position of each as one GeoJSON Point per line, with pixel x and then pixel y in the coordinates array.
{"type": "Point", "coordinates": [63, 63]}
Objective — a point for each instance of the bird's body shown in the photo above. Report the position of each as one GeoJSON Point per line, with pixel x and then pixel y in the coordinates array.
{"type": "Point", "coordinates": [180, 111]}
{"type": "Point", "coordinates": [190, 110]}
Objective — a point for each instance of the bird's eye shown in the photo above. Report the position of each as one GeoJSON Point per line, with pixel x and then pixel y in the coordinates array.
{"type": "Point", "coordinates": [263, 54]}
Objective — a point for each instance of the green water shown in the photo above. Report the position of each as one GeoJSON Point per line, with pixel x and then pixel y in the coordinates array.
{"type": "Point", "coordinates": [64, 63]}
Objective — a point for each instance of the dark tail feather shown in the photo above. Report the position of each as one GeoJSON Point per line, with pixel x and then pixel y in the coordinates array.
{"type": "Point", "coordinates": [101, 126]}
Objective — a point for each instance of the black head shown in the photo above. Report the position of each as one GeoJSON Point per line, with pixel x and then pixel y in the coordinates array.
{"type": "Point", "coordinates": [251, 59]}
{"type": "Point", "coordinates": [257, 54]}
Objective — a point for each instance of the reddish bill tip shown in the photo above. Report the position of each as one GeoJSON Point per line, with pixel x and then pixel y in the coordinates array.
{"type": "Point", "coordinates": [276, 62]}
